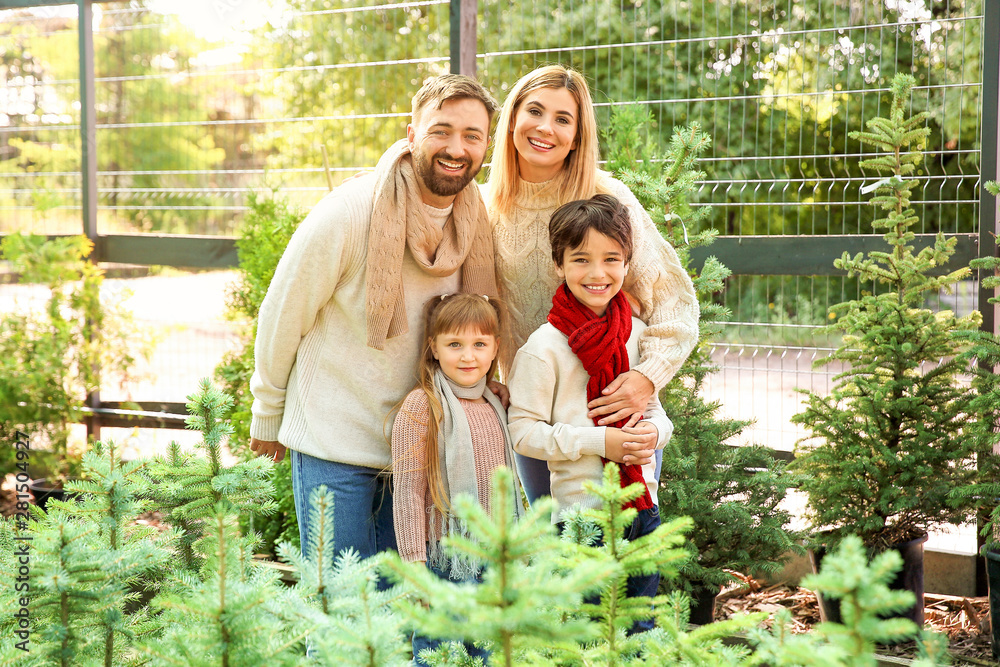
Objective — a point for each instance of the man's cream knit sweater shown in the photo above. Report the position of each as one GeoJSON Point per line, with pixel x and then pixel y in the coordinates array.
{"type": "Point", "coordinates": [656, 279]}
{"type": "Point", "coordinates": [318, 388]}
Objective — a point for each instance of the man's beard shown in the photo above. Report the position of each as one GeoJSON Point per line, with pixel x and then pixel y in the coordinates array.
{"type": "Point", "coordinates": [440, 184]}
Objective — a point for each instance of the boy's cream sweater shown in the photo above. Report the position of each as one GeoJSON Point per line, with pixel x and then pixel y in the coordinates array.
{"type": "Point", "coordinates": [548, 419]}
{"type": "Point", "coordinates": [318, 388]}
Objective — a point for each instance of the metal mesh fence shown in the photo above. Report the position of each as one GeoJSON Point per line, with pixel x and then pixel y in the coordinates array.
{"type": "Point", "coordinates": [189, 125]}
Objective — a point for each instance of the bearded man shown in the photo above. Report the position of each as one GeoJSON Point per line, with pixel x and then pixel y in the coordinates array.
{"type": "Point", "coordinates": [339, 332]}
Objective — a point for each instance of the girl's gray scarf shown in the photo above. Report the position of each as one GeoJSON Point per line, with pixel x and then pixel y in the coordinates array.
{"type": "Point", "coordinates": [458, 471]}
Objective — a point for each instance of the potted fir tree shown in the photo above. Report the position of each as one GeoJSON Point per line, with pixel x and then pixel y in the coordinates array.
{"type": "Point", "coordinates": [894, 436]}
{"type": "Point", "coordinates": [732, 494]}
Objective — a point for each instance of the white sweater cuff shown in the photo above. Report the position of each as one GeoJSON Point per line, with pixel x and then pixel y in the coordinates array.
{"type": "Point", "coordinates": [265, 428]}
{"type": "Point", "coordinates": [656, 371]}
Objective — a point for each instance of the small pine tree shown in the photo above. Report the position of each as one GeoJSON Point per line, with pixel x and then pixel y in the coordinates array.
{"type": "Point", "coordinates": [527, 584]}
{"type": "Point", "coordinates": [892, 440]}
{"type": "Point", "coordinates": [133, 553]}
{"type": "Point", "coordinates": [657, 552]}
{"type": "Point", "coordinates": [738, 523]}
{"type": "Point", "coordinates": [192, 488]}
{"type": "Point", "coordinates": [862, 585]}
{"type": "Point", "coordinates": [351, 621]}
{"type": "Point", "coordinates": [86, 560]}
{"type": "Point", "coordinates": [225, 617]}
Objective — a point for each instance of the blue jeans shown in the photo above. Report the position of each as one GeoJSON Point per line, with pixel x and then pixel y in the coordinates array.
{"type": "Point", "coordinates": [534, 474]}
{"type": "Point", "coordinates": [362, 504]}
{"type": "Point", "coordinates": [421, 642]}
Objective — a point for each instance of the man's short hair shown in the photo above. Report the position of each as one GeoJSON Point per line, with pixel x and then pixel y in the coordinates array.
{"type": "Point", "coordinates": [446, 87]}
{"type": "Point", "coordinates": [570, 223]}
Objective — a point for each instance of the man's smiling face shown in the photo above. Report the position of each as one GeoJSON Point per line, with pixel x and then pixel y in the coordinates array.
{"type": "Point", "coordinates": [448, 146]}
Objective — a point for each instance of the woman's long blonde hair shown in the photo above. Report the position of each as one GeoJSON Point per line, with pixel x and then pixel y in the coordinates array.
{"type": "Point", "coordinates": [451, 313]}
{"type": "Point", "coordinates": [579, 179]}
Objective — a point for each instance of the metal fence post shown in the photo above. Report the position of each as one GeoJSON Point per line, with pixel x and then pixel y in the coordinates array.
{"type": "Point", "coordinates": [88, 162]}
{"type": "Point", "coordinates": [463, 37]}
{"type": "Point", "coordinates": [987, 202]}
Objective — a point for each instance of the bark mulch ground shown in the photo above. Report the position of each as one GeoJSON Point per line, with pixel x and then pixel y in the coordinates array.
{"type": "Point", "coordinates": [966, 621]}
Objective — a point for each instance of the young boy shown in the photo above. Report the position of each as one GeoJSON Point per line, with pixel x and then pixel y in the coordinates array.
{"type": "Point", "coordinates": [590, 338]}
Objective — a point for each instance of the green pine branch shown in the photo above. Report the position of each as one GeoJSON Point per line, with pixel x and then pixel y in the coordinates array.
{"type": "Point", "coordinates": [191, 488]}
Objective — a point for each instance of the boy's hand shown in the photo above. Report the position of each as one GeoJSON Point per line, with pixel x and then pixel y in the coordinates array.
{"type": "Point", "coordinates": [642, 446]}
{"type": "Point", "coordinates": [501, 392]}
{"type": "Point", "coordinates": [626, 397]}
{"type": "Point", "coordinates": [631, 445]}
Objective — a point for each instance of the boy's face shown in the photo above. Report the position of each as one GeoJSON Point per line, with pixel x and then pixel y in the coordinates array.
{"type": "Point", "coordinates": [594, 271]}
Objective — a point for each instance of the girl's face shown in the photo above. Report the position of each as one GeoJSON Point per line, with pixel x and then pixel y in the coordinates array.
{"type": "Point", "coordinates": [544, 130]}
{"type": "Point", "coordinates": [465, 356]}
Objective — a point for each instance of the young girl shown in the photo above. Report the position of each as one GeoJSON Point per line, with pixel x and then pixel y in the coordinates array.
{"type": "Point", "coordinates": [449, 436]}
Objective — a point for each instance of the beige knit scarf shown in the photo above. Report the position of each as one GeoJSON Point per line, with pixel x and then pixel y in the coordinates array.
{"type": "Point", "coordinates": [398, 221]}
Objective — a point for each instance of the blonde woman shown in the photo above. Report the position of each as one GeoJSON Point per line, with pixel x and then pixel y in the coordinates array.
{"type": "Point", "coordinates": [545, 154]}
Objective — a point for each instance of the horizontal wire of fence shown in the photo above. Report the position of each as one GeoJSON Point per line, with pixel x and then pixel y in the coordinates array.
{"type": "Point", "coordinates": [188, 128]}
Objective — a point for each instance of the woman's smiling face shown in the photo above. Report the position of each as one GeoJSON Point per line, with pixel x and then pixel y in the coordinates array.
{"type": "Point", "coordinates": [544, 130]}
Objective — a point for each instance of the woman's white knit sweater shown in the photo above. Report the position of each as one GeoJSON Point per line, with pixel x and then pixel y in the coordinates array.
{"type": "Point", "coordinates": [656, 279]}
{"type": "Point", "coordinates": [318, 388]}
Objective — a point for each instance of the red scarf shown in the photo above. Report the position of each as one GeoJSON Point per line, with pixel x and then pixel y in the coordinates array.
{"type": "Point", "coordinates": [600, 344]}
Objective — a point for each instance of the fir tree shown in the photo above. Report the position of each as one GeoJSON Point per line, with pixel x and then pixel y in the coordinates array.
{"type": "Point", "coordinates": [193, 489]}
{"type": "Point", "coordinates": [862, 585]}
{"type": "Point", "coordinates": [657, 552]}
{"type": "Point", "coordinates": [738, 523]}
{"type": "Point", "coordinates": [892, 439]}
{"type": "Point", "coordinates": [85, 560]}
{"type": "Point", "coordinates": [526, 586]}
{"type": "Point", "coordinates": [129, 552]}
{"type": "Point", "coordinates": [351, 621]}
{"type": "Point", "coordinates": [225, 617]}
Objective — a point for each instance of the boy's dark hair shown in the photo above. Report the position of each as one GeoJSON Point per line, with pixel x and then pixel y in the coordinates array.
{"type": "Point", "coordinates": [603, 213]}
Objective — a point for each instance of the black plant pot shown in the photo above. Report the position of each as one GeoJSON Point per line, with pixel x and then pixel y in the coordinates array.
{"type": "Point", "coordinates": [909, 578]}
{"type": "Point", "coordinates": [993, 575]}
{"type": "Point", "coordinates": [43, 490]}
{"type": "Point", "coordinates": [703, 606]}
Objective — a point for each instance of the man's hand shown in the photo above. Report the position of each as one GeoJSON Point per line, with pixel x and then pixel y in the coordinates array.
{"type": "Point", "coordinates": [631, 445]}
{"type": "Point", "coordinates": [272, 449]}
{"type": "Point", "coordinates": [626, 397]}
{"type": "Point", "coordinates": [501, 392]}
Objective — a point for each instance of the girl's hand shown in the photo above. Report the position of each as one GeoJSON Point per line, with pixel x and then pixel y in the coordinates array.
{"type": "Point", "coordinates": [272, 449]}
{"type": "Point", "coordinates": [501, 392]}
{"type": "Point", "coordinates": [626, 397]}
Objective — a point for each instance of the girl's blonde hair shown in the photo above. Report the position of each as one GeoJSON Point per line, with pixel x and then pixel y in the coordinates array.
{"type": "Point", "coordinates": [579, 175]}
{"type": "Point", "coordinates": [450, 313]}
